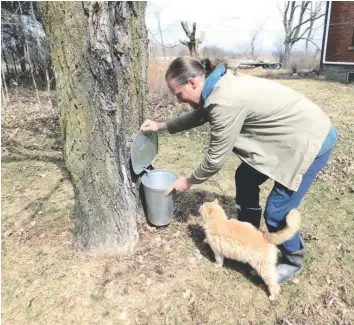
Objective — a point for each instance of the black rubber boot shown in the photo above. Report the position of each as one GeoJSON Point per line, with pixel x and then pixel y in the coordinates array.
{"type": "Point", "coordinates": [290, 264]}
{"type": "Point", "coordinates": [251, 215]}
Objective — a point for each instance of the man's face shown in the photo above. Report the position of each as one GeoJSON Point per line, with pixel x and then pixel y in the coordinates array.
{"type": "Point", "coordinates": [189, 93]}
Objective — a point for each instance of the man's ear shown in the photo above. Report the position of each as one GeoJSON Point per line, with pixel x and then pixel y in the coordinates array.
{"type": "Point", "coordinates": [192, 83]}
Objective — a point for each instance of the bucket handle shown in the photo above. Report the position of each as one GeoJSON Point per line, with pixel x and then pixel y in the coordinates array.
{"type": "Point", "coordinates": [147, 171]}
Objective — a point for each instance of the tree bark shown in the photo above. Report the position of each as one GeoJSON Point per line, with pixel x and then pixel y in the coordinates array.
{"type": "Point", "coordinates": [99, 53]}
{"type": "Point", "coordinates": [287, 55]}
{"type": "Point", "coordinates": [195, 49]}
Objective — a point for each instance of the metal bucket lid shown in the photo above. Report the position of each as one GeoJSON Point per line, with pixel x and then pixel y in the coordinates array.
{"type": "Point", "coordinates": [143, 151]}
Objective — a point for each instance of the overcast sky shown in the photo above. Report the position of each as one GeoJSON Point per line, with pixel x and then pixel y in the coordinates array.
{"type": "Point", "coordinates": [227, 24]}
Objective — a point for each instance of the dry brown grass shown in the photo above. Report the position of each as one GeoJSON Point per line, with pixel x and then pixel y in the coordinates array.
{"type": "Point", "coordinates": [156, 77]}
{"type": "Point", "coordinates": [171, 278]}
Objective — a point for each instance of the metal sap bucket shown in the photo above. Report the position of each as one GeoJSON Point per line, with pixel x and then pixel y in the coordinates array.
{"type": "Point", "coordinates": [160, 208]}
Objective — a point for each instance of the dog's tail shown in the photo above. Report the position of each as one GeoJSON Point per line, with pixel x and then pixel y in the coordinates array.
{"type": "Point", "coordinates": [292, 226]}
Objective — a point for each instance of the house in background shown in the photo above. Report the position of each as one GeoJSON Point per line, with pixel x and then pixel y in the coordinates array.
{"type": "Point", "coordinates": [338, 42]}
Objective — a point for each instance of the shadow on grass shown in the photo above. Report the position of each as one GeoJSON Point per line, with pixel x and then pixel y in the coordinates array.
{"type": "Point", "coordinates": [17, 155]}
{"type": "Point", "coordinates": [187, 205]}
{"type": "Point", "coordinates": [196, 232]}
{"type": "Point", "coordinates": [189, 202]}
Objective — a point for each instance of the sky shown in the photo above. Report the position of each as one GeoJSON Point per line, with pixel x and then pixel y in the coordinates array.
{"type": "Point", "coordinates": [227, 24]}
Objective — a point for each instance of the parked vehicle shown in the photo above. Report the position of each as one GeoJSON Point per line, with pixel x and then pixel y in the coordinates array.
{"type": "Point", "coordinates": [264, 65]}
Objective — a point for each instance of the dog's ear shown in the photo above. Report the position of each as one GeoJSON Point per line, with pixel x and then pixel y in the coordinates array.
{"type": "Point", "coordinates": [216, 201]}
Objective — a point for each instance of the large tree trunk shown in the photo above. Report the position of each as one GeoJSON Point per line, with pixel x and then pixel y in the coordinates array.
{"type": "Point", "coordinates": [99, 53]}
{"type": "Point", "coordinates": [194, 49]}
{"type": "Point", "coordinates": [191, 50]}
{"type": "Point", "coordinates": [287, 55]}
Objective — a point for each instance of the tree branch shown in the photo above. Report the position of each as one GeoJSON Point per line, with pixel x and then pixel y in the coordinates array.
{"type": "Point", "coordinates": [186, 28]}
{"type": "Point", "coordinates": [303, 33]}
{"type": "Point", "coordinates": [312, 17]}
{"type": "Point", "coordinates": [308, 39]}
{"type": "Point", "coordinates": [286, 9]}
{"type": "Point", "coordinates": [296, 30]}
{"type": "Point", "coordinates": [291, 18]}
{"type": "Point", "coordinates": [8, 14]}
{"type": "Point", "coordinates": [165, 46]}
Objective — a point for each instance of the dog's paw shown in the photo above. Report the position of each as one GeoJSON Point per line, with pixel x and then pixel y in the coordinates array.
{"type": "Point", "coordinates": [272, 298]}
{"type": "Point", "coordinates": [274, 292]}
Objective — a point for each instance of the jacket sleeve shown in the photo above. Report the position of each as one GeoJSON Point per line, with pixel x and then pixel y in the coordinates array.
{"type": "Point", "coordinates": [226, 124]}
{"type": "Point", "coordinates": [184, 122]}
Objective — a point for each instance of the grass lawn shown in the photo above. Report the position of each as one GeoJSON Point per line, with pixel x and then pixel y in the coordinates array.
{"type": "Point", "coordinates": [171, 279]}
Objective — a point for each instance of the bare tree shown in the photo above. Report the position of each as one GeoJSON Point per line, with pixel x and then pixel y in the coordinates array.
{"type": "Point", "coordinates": [156, 45]}
{"type": "Point", "coordinates": [157, 15]}
{"type": "Point", "coordinates": [311, 32]}
{"type": "Point", "coordinates": [279, 50]}
{"type": "Point", "coordinates": [296, 31]}
{"type": "Point", "coordinates": [12, 30]}
{"type": "Point", "coordinates": [4, 58]}
{"type": "Point", "coordinates": [29, 59]}
{"type": "Point", "coordinates": [41, 53]}
{"type": "Point", "coordinates": [194, 43]}
{"type": "Point", "coordinates": [24, 42]}
{"type": "Point", "coordinates": [254, 47]}
{"type": "Point", "coordinates": [5, 91]}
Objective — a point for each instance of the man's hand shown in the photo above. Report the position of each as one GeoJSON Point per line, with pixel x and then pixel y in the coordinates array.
{"type": "Point", "coordinates": [152, 126]}
{"type": "Point", "coordinates": [149, 125]}
{"type": "Point", "coordinates": [179, 185]}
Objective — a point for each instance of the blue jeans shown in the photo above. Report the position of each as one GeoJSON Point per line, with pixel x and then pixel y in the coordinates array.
{"type": "Point", "coordinates": [280, 201]}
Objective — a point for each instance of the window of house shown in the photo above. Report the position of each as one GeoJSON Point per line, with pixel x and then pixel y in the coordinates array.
{"type": "Point", "coordinates": [351, 47]}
